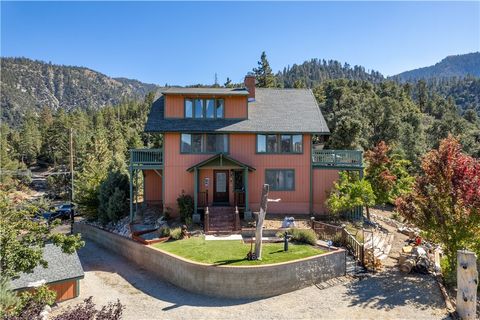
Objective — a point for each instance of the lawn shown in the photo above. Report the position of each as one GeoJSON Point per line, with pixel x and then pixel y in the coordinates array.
{"type": "Point", "coordinates": [232, 252]}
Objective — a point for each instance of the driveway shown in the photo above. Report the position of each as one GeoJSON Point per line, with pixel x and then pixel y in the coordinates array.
{"type": "Point", "coordinates": [388, 295]}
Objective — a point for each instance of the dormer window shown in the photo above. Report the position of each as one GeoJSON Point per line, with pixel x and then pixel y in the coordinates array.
{"type": "Point", "coordinates": [204, 108]}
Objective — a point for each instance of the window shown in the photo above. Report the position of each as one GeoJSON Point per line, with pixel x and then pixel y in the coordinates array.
{"type": "Point", "coordinates": [219, 108]}
{"type": "Point", "coordinates": [280, 179]}
{"type": "Point", "coordinates": [198, 108]}
{"type": "Point", "coordinates": [204, 108]}
{"type": "Point", "coordinates": [279, 143]}
{"type": "Point", "coordinates": [203, 143]}
{"type": "Point", "coordinates": [188, 108]}
{"type": "Point", "coordinates": [209, 108]}
{"type": "Point", "coordinates": [261, 143]}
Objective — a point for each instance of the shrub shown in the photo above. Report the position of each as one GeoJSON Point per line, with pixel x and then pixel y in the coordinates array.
{"type": "Point", "coordinates": [9, 301]}
{"type": "Point", "coordinates": [87, 311]}
{"type": "Point", "coordinates": [307, 236]}
{"type": "Point", "coordinates": [185, 206]}
{"type": "Point", "coordinates": [41, 295]}
{"type": "Point", "coordinates": [164, 232]}
{"type": "Point", "coordinates": [176, 233]}
{"type": "Point", "coordinates": [112, 197]}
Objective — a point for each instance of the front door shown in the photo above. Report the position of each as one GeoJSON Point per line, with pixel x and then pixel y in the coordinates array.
{"type": "Point", "coordinates": [220, 186]}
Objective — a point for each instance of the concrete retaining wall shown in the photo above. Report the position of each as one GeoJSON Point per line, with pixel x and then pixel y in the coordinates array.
{"type": "Point", "coordinates": [223, 281]}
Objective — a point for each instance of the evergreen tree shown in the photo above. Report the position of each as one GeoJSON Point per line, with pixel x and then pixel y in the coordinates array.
{"type": "Point", "coordinates": [263, 73]}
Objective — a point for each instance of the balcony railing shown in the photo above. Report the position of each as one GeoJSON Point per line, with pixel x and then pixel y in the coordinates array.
{"type": "Point", "coordinates": [337, 158]}
{"type": "Point", "coordinates": [146, 157]}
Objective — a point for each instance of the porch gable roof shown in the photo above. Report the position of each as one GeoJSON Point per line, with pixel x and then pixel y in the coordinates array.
{"type": "Point", "coordinates": [221, 160]}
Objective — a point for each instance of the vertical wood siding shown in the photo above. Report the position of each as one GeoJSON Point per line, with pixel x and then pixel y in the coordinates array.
{"type": "Point", "coordinates": [65, 290]}
{"type": "Point", "coordinates": [153, 186]}
{"type": "Point", "coordinates": [323, 180]}
{"type": "Point", "coordinates": [236, 107]}
{"type": "Point", "coordinates": [174, 106]}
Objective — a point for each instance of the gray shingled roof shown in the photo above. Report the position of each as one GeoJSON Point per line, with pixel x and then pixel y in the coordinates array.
{"type": "Point", "coordinates": [61, 266]}
{"type": "Point", "coordinates": [206, 91]}
{"type": "Point", "coordinates": [274, 110]}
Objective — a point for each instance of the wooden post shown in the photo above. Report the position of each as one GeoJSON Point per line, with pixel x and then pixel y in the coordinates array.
{"type": "Point", "coordinates": [260, 220]}
{"type": "Point", "coordinates": [467, 282]}
{"type": "Point", "coordinates": [71, 166]}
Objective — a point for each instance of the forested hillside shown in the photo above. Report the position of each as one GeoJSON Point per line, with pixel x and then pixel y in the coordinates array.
{"type": "Point", "coordinates": [461, 65]}
{"type": "Point", "coordinates": [31, 85]}
{"type": "Point", "coordinates": [311, 73]}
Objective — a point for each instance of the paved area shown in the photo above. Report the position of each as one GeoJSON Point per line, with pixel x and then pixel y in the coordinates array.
{"type": "Point", "coordinates": [386, 296]}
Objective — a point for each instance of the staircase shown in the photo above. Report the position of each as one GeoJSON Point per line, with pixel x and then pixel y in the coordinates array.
{"type": "Point", "coordinates": [221, 220]}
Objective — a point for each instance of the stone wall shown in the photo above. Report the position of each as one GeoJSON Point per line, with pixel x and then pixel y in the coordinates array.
{"type": "Point", "coordinates": [222, 281]}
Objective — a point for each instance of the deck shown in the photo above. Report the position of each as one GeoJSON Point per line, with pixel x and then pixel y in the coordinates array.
{"type": "Point", "coordinates": [345, 159]}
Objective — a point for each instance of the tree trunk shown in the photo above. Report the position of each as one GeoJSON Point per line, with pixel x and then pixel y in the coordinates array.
{"type": "Point", "coordinates": [260, 220]}
{"type": "Point", "coordinates": [368, 212]}
{"type": "Point", "coordinates": [467, 282]}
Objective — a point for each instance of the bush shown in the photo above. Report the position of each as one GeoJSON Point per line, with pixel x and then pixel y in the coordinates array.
{"type": "Point", "coordinates": [41, 295]}
{"type": "Point", "coordinates": [87, 311]}
{"type": "Point", "coordinates": [176, 233]}
{"type": "Point", "coordinates": [164, 232]}
{"type": "Point", "coordinates": [112, 197]}
{"type": "Point", "coordinates": [185, 206]}
{"type": "Point", "coordinates": [9, 301]}
{"type": "Point", "coordinates": [307, 236]}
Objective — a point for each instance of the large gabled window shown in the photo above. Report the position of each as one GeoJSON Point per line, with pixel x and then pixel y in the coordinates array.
{"type": "Point", "coordinates": [204, 108]}
{"type": "Point", "coordinates": [279, 143]}
{"type": "Point", "coordinates": [203, 143]}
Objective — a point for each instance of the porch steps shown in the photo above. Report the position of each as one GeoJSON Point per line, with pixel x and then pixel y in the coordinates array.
{"type": "Point", "coordinates": [221, 220]}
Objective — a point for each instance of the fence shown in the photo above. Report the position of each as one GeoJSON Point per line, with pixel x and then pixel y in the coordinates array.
{"type": "Point", "coordinates": [340, 237]}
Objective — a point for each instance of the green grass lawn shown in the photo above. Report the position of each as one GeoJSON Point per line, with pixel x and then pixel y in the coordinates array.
{"type": "Point", "coordinates": [232, 252]}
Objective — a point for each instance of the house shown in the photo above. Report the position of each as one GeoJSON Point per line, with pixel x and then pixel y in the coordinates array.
{"type": "Point", "coordinates": [62, 275]}
{"type": "Point", "coordinates": [220, 145]}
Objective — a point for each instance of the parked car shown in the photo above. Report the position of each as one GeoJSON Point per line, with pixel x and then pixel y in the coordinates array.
{"type": "Point", "coordinates": [62, 212]}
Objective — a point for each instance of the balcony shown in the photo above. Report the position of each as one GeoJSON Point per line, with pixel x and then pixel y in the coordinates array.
{"type": "Point", "coordinates": [146, 158]}
{"type": "Point", "coordinates": [337, 158]}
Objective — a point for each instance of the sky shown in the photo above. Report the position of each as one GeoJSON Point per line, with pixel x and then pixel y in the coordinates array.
{"type": "Point", "coordinates": [182, 43]}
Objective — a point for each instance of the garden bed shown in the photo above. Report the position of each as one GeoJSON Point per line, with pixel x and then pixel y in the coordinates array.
{"type": "Point", "coordinates": [232, 252]}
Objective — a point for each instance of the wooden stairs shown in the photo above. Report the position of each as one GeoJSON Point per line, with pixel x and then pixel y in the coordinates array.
{"type": "Point", "coordinates": [222, 220]}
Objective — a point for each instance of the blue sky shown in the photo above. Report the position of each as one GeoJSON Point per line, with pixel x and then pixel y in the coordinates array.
{"type": "Point", "coordinates": [186, 43]}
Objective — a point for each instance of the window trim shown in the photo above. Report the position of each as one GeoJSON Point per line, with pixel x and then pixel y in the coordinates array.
{"type": "Point", "coordinates": [280, 169]}
{"type": "Point", "coordinates": [204, 142]}
{"type": "Point", "coordinates": [204, 108]}
{"type": "Point", "coordinates": [279, 140]}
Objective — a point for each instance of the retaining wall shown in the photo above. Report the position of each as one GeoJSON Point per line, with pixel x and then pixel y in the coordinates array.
{"type": "Point", "coordinates": [222, 281]}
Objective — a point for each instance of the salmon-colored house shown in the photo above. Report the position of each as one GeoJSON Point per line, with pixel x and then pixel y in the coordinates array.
{"type": "Point", "coordinates": [220, 145]}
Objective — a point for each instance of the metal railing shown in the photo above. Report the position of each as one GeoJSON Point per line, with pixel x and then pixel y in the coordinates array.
{"type": "Point", "coordinates": [146, 156]}
{"type": "Point", "coordinates": [334, 158]}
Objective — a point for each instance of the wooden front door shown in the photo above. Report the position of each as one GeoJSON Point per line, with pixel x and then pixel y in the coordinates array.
{"type": "Point", "coordinates": [220, 186]}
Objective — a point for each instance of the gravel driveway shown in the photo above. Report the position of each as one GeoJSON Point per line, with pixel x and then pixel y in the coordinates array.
{"type": "Point", "coordinates": [384, 296]}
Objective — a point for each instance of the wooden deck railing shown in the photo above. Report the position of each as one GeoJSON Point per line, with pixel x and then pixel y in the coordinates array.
{"type": "Point", "coordinates": [337, 158]}
{"type": "Point", "coordinates": [146, 156]}
{"type": "Point", "coordinates": [340, 236]}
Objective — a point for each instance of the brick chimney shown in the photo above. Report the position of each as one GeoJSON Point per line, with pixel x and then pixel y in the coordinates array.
{"type": "Point", "coordinates": [250, 85]}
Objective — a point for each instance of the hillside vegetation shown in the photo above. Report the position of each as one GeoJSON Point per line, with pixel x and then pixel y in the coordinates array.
{"type": "Point", "coordinates": [31, 85]}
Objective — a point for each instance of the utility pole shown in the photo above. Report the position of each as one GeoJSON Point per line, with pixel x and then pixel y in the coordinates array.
{"type": "Point", "coordinates": [71, 165]}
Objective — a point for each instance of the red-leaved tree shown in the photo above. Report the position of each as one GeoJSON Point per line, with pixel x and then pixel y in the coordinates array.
{"type": "Point", "coordinates": [445, 201]}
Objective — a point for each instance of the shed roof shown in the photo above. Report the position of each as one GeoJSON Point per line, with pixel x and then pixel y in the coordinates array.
{"type": "Point", "coordinates": [61, 266]}
{"type": "Point", "coordinates": [274, 110]}
{"type": "Point", "coordinates": [206, 91]}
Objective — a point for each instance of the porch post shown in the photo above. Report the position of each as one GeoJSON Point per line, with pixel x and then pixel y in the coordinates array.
{"type": "Point", "coordinates": [195, 190]}
{"type": "Point", "coordinates": [245, 181]}
{"type": "Point", "coordinates": [136, 191]}
{"type": "Point", "coordinates": [131, 193]}
{"type": "Point", "coordinates": [163, 190]}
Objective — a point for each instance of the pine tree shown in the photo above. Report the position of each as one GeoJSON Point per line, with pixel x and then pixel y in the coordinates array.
{"type": "Point", "coordinates": [263, 74]}
{"type": "Point", "coordinates": [228, 83]}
